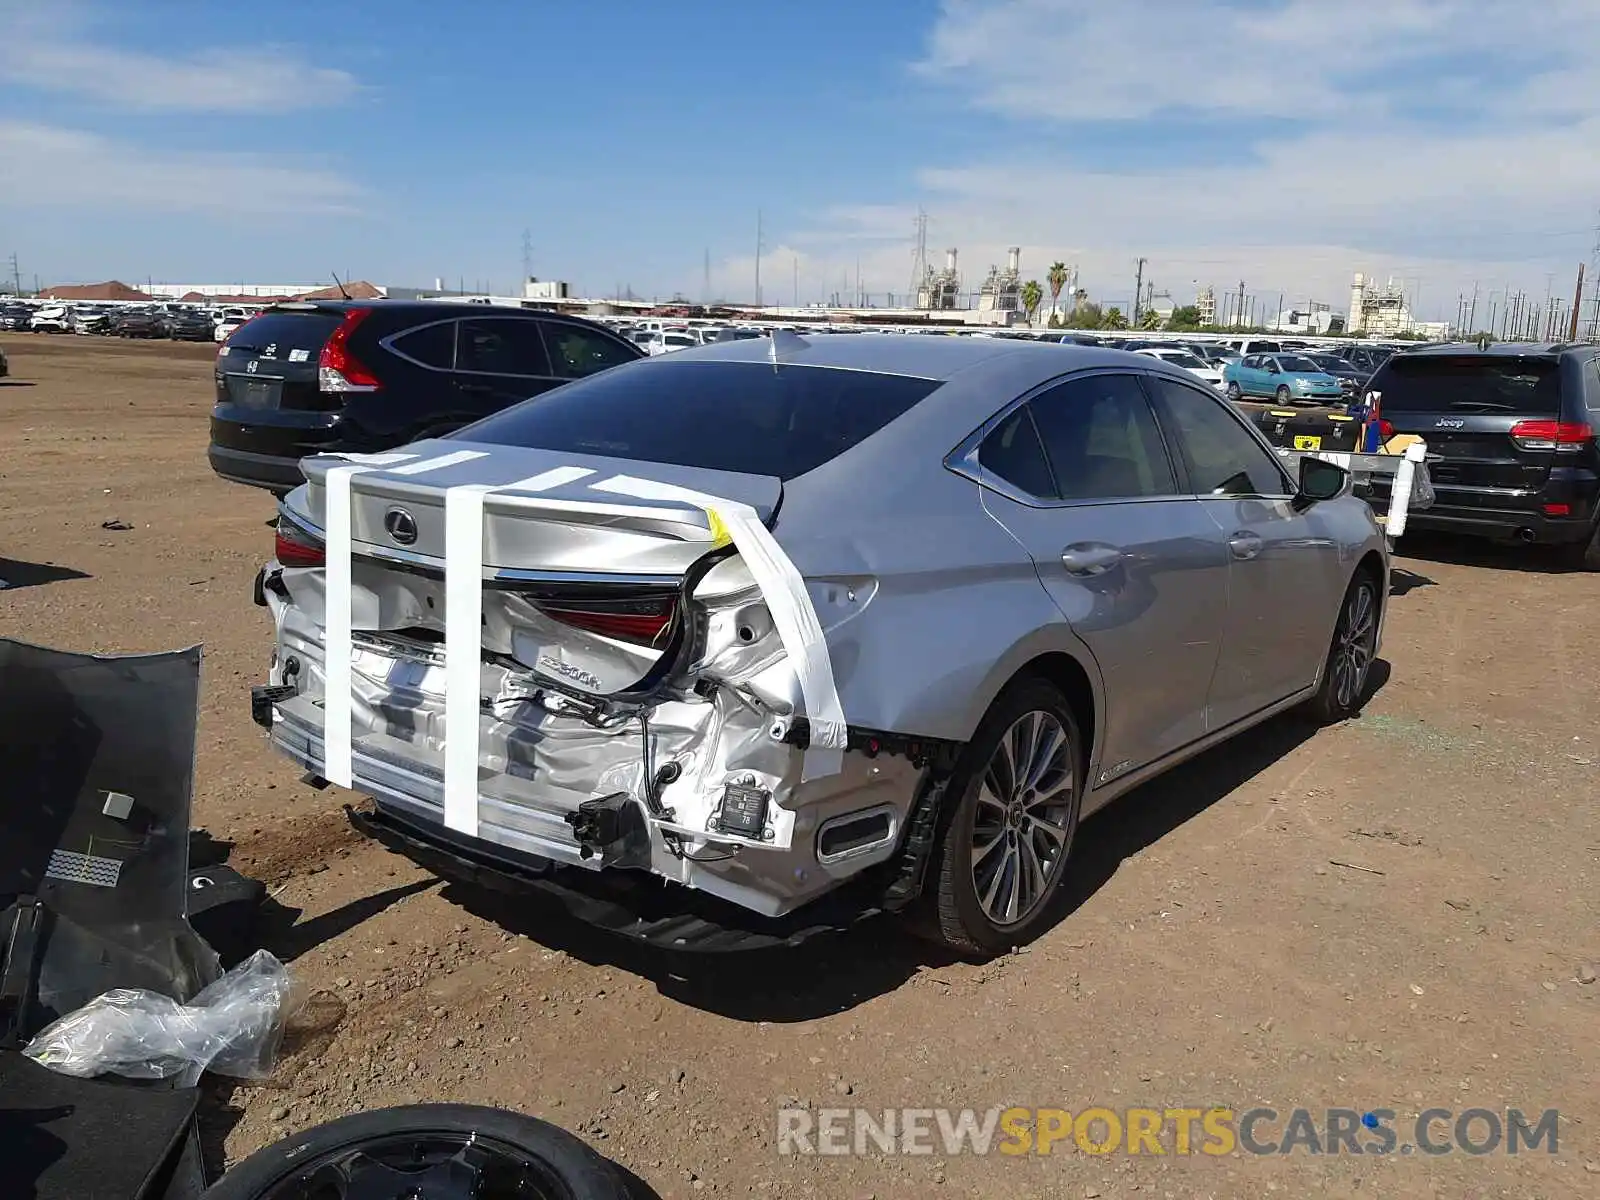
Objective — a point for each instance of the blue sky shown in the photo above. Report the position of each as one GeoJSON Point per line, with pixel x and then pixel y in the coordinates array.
{"type": "Point", "coordinates": [1285, 143]}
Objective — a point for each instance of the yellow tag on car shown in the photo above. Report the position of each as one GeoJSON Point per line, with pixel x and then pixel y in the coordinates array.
{"type": "Point", "coordinates": [1306, 442]}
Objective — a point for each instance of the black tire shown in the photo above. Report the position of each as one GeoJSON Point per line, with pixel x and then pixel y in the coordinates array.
{"type": "Point", "coordinates": [1283, 395]}
{"type": "Point", "coordinates": [1233, 391]}
{"type": "Point", "coordinates": [1586, 554]}
{"type": "Point", "coordinates": [1340, 696]}
{"type": "Point", "coordinates": [957, 917]}
{"type": "Point", "coordinates": [568, 1169]}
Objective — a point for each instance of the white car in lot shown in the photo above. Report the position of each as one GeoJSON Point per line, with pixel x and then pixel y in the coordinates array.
{"type": "Point", "coordinates": [52, 318]}
{"type": "Point", "coordinates": [228, 321]}
{"type": "Point", "coordinates": [669, 340]}
{"type": "Point", "coordinates": [1206, 372]}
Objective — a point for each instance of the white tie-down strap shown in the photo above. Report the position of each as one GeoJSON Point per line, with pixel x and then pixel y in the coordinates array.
{"type": "Point", "coordinates": [793, 615]}
{"type": "Point", "coordinates": [336, 617]}
{"type": "Point", "coordinates": [463, 637]}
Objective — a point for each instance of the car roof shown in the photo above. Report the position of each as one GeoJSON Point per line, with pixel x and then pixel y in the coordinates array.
{"type": "Point", "coordinates": [937, 358]}
{"type": "Point", "coordinates": [1504, 349]}
{"type": "Point", "coordinates": [441, 308]}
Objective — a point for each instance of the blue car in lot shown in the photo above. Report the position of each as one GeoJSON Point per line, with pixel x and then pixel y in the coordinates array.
{"type": "Point", "coordinates": [1284, 377]}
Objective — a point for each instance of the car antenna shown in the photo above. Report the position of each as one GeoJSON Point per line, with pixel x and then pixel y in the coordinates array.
{"type": "Point", "coordinates": [340, 286]}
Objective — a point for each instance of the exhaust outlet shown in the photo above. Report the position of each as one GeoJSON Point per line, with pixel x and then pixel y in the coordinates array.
{"type": "Point", "coordinates": [1526, 535]}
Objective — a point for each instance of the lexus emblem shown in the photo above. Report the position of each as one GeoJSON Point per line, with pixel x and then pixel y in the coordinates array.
{"type": "Point", "coordinates": [401, 525]}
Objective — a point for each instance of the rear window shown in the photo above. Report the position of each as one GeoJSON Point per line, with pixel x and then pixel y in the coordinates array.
{"type": "Point", "coordinates": [286, 331]}
{"type": "Point", "coordinates": [746, 417]}
{"type": "Point", "coordinates": [1529, 386]}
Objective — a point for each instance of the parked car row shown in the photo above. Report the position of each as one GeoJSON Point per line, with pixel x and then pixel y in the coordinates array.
{"type": "Point", "coordinates": [179, 322]}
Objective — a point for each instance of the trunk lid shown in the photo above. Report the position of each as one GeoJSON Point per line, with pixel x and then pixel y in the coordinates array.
{"type": "Point", "coordinates": [584, 583]}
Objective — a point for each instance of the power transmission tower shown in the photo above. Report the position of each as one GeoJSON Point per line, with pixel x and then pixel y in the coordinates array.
{"type": "Point", "coordinates": [919, 255]}
{"type": "Point", "coordinates": [16, 276]}
{"type": "Point", "coordinates": [527, 260]}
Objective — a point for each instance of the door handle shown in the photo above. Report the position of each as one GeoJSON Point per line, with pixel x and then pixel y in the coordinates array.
{"type": "Point", "coordinates": [474, 389]}
{"type": "Point", "coordinates": [1090, 558]}
{"type": "Point", "coordinates": [1244, 545]}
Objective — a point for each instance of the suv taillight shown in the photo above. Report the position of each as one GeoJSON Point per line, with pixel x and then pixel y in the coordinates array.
{"type": "Point", "coordinates": [1566, 437]}
{"type": "Point", "coordinates": [337, 369]}
{"type": "Point", "coordinates": [295, 547]}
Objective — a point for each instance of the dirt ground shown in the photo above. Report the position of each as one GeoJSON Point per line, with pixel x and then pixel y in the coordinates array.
{"type": "Point", "coordinates": [1398, 913]}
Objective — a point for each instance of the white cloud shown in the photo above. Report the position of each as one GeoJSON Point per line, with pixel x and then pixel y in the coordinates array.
{"type": "Point", "coordinates": [43, 49]}
{"type": "Point", "coordinates": [50, 166]}
{"type": "Point", "coordinates": [1369, 177]}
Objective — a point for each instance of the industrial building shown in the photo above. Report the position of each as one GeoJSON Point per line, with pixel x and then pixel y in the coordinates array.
{"type": "Point", "coordinates": [1002, 290]}
{"type": "Point", "coordinates": [1205, 304]}
{"type": "Point", "coordinates": [1377, 311]}
{"type": "Point", "coordinates": [940, 291]}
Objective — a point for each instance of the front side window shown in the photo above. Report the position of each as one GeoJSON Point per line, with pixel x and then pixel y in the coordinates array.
{"type": "Point", "coordinates": [501, 346]}
{"type": "Point", "coordinates": [576, 352]}
{"type": "Point", "coordinates": [1101, 439]}
{"type": "Point", "coordinates": [1223, 459]}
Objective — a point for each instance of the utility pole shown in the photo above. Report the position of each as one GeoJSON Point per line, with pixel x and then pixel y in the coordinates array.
{"type": "Point", "coordinates": [1578, 300]}
{"type": "Point", "coordinates": [759, 248]}
{"type": "Point", "coordinates": [1238, 312]}
{"type": "Point", "coordinates": [527, 261]}
{"type": "Point", "coordinates": [797, 281]}
{"type": "Point", "coordinates": [1472, 313]}
{"type": "Point", "coordinates": [1138, 290]}
{"type": "Point", "coordinates": [705, 287]}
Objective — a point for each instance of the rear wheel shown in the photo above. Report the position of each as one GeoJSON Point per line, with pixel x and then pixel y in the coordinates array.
{"type": "Point", "coordinates": [1014, 800]}
{"type": "Point", "coordinates": [1282, 393]}
{"type": "Point", "coordinates": [1350, 657]}
{"type": "Point", "coordinates": [1233, 391]}
{"type": "Point", "coordinates": [1586, 555]}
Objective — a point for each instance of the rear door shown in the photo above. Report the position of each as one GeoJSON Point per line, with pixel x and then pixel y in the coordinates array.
{"type": "Point", "coordinates": [270, 364]}
{"type": "Point", "coordinates": [1085, 484]}
{"type": "Point", "coordinates": [500, 361]}
{"type": "Point", "coordinates": [1466, 407]}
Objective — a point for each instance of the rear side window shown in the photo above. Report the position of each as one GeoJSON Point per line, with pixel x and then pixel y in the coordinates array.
{"type": "Point", "coordinates": [1102, 440]}
{"type": "Point", "coordinates": [576, 352]}
{"type": "Point", "coordinates": [1468, 384]}
{"type": "Point", "coordinates": [720, 416]}
{"type": "Point", "coordinates": [1013, 452]}
{"type": "Point", "coordinates": [431, 345]}
{"type": "Point", "coordinates": [501, 346]}
{"type": "Point", "coordinates": [278, 334]}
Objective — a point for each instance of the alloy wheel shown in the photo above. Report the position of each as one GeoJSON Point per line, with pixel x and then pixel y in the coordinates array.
{"type": "Point", "coordinates": [1354, 646]}
{"type": "Point", "coordinates": [1022, 824]}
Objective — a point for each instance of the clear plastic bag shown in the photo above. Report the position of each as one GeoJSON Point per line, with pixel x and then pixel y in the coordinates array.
{"type": "Point", "coordinates": [233, 1027]}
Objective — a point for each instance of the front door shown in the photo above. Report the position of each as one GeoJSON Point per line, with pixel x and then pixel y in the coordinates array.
{"type": "Point", "coordinates": [1282, 565]}
{"type": "Point", "coordinates": [1139, 570]}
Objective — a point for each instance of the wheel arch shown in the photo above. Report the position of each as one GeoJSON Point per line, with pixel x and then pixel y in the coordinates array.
{"type": "Point", "coordinates": [1067, 665]}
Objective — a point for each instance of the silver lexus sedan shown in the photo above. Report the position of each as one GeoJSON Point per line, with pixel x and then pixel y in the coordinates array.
{"type": "Point", "coordinates": [756, 638]}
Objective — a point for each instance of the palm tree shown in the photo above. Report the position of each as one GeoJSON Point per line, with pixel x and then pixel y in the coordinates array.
{"type": "Point", "coordinates": [1031, 295]}
{"type": "Point", "coordinates": [1057, 279]}
{"type": "Point", "coordinates": [1114, 319]}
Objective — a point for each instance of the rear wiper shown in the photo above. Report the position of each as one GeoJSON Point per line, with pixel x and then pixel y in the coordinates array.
{"type": "Point", "coordinates": [1483, 406]}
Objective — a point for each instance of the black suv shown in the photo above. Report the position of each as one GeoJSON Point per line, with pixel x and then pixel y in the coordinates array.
{"type": "Point", "coordinates": [314, 377]}
{"type": "Point", "coordinates": [1511, 438]}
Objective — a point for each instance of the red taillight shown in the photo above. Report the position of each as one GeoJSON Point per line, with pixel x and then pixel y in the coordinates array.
{"type": "Point", "coordinates": [1558, 510]}
{"type": "Point", "coordinates": [1563, 436]}
{"type": "Point", "coordinates": [337, 369]}
{"type": "Point", "coordinates": [294, 547]}
{"type": "Point", "coordinates": [644, 622]}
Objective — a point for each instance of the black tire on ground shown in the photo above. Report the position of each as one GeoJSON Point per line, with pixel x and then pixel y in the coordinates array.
{"type": "Point", "coordinates": [1283, 393]}
{"type": "Point", "coordinates": [1586, 554]}
{"type": "Point", "coordinates": [1233, 391]}
{"type": "Point", "coordinates": [573, 1171]}
{"type": "Point", "coordinates": [1348, 668]}
{"type": "Point", "coordinates": [955, 914]}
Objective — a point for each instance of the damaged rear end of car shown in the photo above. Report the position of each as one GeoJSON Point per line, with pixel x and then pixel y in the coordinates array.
{"type": "Point", "coordinates": [566, 663]}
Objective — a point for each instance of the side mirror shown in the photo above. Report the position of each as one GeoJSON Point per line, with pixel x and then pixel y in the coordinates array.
{"type": "Point", "coordinates": [1320, 480]}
